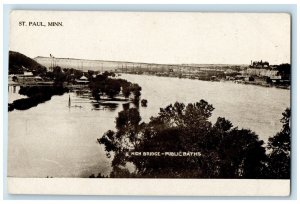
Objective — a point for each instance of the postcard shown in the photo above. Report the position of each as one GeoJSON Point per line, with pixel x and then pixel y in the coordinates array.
{"type": "Point", "coordinates": [149, 103]}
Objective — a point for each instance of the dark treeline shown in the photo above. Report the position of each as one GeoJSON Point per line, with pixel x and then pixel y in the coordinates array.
{"type": "Point", "coordinates": [69, 75]}
{"type": "Point", "coordinates": [284, 70]}
{"type": "Point", "coordinates": [226, 151]}
{"type": "Point", "coordinates": [99, 84]}
{"type": "Point", "coordinates": [102, 84]}
{"type": "Point", "coordinates": [36, 95]}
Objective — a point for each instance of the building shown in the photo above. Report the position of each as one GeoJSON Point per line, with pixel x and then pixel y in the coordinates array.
{"type": "Point", "coordinates": [260, 64]}
{"type": "Point", "coordinates": [26, 78]}
{"type": "Point", "coordinates": [83, 80]}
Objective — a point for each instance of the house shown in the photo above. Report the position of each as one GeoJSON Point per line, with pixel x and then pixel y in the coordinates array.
{"type": "Point", "coordinates": [82, 80]}
{"type": "Point", "coordinates": [27, 78]}
{"type": "Point", "coordinates": [275, 79]}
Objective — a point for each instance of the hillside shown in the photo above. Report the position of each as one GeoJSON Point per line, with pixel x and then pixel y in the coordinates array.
{"type": "Point", "coordinates": [18, 63]}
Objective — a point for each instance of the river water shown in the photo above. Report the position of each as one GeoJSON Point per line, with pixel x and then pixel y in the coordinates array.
{"type": "Point", "coordinates": [54, 140]}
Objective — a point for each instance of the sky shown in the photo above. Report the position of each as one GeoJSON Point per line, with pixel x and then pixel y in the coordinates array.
{"type": "Point", "coordinates": [167, 38]}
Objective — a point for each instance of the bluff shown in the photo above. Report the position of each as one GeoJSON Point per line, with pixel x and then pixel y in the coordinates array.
{"type": "Point", "coordinates": [18, 63]}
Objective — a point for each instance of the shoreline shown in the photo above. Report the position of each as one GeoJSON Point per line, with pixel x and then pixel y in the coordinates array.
{"type": "Point", "coordinates": [221, 80]}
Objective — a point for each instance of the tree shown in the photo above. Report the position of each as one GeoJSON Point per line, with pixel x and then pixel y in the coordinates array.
{"type": "Point", "coordinates": [58, 75]}
{"type": "Point", "coordinates": [278, 165]}
{"type": "Point", "coordinates": [136, 90]}
{"type": "Point", "coordinates": [96, 94]}
{"type": "Point", "coordinates": [112, 87]}
{"type": "Point", "coordinates": [226, 152]}
{"type": "Point", "coordinates": [144, 102]}
{"type": "Point", "coordinates": [241, 154]}
{"type": "Point", "coordinates": [126, 91]}
{"type": "Point", "coordinates": [284, 69]}
{"type": "Point", "coordinates": [123, 140]}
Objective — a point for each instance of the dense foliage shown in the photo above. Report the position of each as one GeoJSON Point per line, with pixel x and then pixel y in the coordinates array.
{"type": "Point", "coordinates": [280, 150]}
{"type": "Point", "coordinates": [284, 69]}
{"type": "Point", "coordinates": [102, 84]}
{"type": "Point", "coordinates": [226, 151]}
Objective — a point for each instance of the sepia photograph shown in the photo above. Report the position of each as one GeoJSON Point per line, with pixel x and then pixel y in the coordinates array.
{"type": "Point", "coordinates": [185, 96]}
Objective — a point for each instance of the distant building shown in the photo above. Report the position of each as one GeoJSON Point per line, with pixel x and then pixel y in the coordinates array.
{"type": "Point", "coordinates": [260, 64]}
{"type": "Point", "coordinates": [27, 74]}
{"type": "Point", "coordinates": [83, 80]}
{"type": "Point", "coordinates": [275, 79]}
{"type": "Point", "coordinates": [229, 71]}
{"type": "Point", "coordinates": [260, 72]}
{"type": "Point", "coordinates": [26, 78]}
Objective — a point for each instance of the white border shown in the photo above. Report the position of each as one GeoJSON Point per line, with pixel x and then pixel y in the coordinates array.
{"type": "Point", "coordinates": [152, 187]}
{"type": "Point", "coordinates": [139, 2]}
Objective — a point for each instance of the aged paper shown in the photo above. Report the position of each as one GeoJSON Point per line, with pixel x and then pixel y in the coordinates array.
{"type": "Point", "coordinates": [149, 103]}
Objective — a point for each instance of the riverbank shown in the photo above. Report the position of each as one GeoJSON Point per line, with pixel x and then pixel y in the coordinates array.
{"type": "Point", "coordinates": [259, 82]}
{"type": "Point", "coordinates": [52, 125]}
{"type": "Point", "coordinates": [263, 84]}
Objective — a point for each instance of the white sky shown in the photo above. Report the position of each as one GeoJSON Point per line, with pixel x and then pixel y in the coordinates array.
{"type": "Point", "coordinates": [202, 38]}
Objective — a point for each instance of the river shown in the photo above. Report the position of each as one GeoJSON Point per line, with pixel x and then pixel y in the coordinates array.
{"type": "Point", "coordinates": [54, 140]}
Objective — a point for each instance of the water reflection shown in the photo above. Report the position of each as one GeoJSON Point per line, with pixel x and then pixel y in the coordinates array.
{"type": "Point", "coordinates": [85, 96]}
{"type": "Point", "coordinates": [105, 106]}
{"type": "Point", "coordinates": [35, 96]}
{"type": "Point", "coordinates": [54, 140]}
